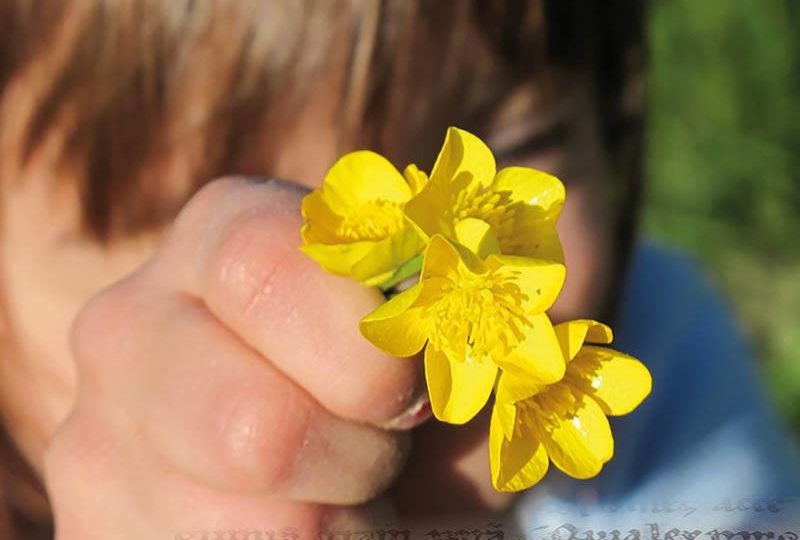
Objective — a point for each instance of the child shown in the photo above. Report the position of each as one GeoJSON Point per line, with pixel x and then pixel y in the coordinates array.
{"type": "Point", "coordinates": [172, 363]}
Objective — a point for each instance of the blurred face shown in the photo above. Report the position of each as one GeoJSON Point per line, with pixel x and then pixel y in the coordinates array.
{"type": "Point", "coordinates": [49, 267]}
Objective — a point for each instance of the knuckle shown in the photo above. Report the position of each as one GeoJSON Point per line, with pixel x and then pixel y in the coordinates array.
{"type": "Point", "coordinates": [262, 437]}
{"type": "Point", "coordinates": [254, 252]}
{"type": "Point", "coordinates": [207, 199]}
{"type": "Point", "coordinates": [230, 236]}
{"type": "Point", "coordinates": [102, 328]}
{"type": "Point", "coordinates": [227, 196]}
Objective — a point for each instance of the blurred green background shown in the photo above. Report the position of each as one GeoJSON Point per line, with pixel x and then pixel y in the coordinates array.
{"type": "Point", "coordinates": [724, 162]}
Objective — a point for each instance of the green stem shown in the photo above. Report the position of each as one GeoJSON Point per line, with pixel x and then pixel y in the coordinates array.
{"type": "Point", "coordinates": [403, 272]}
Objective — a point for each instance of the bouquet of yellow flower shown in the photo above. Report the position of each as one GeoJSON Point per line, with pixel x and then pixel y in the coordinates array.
{"type": "Point", "coordinates": [487, 262]}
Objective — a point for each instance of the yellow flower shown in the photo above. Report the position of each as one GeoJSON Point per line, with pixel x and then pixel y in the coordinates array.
{"type": "Point", "coordinates": [520, 204]}
{"type": "Point", "coordinates": [476, 315]}
{"type": "Point", "coordinates": [564, 422]}
{"type": "Point", "coordinates": [354, 225]}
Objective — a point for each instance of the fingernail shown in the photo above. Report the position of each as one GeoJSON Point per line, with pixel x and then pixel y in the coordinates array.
{"type": "Point", "coordinates": [418, 413]}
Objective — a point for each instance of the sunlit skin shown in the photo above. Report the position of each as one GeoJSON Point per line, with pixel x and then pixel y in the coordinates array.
{"type": "Point", "coordinates": [51, 269]}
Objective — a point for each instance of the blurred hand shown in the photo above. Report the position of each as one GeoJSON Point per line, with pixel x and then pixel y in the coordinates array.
{"type": "Point", "coordinates": [224, 386]}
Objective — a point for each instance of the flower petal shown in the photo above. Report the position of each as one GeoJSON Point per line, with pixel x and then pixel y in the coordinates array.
{"type": "Point", "coordinates": [576, 432]}
{"type": "Point", "coordinates": [540, 199]}
{"type": "Point", "coordinates": [543, 193]}
{"type": "Point", "coordinates": [517, 462]}
{"type": "Point", "coordinates": [506, 413]}
{"type": "Point", "coordinates": [540, 280]}
{"type": "Point", "coordinates": [321, 222]}
{"type": "Point", "coordinates": [463, 152]}
{"type": "Point", "coordinates": [572, 334]}
{"type": "Point", "coordinates": [463, 166]}
{"type": "Point", "coordinates": [513, 388]}
{"type": "Point", "coordinates": [477, 236]}
{"type": "Point", "coordinates": [395, 327]}
{"type": "Point", "coordinates": [338, 258]}
{"type": "Point", "coordinates": [446, 259]}
{"type": "Point", "coordinates": [533, 237]}
{"type": "Point", "coordinates": [537, 360]}
{"type": "Point", "coordinates": [618, 382]}
{"type": "Point", "coordinates": [441, 258]}
{"type": "Point", "coordinates": [387, 255]}
{"type": "Point", "coordinates": [431, 210]}
{"type": "Point", "coordinates": [458, 389]}
{"type": "Point", "coordinates": [416, 178]}
{"type": "Point", "coordinates": [360, 177]}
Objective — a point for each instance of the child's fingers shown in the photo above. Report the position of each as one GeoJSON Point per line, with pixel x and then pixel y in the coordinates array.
{"type": "Point", "coordinates": [212, 407]}
{"type": "Point", "coordinates": [104, 483]}
{"type": "Point", "coordinates": [235, 247]}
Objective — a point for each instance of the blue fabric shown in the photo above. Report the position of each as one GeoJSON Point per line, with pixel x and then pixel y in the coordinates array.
{"type": "Point", "coordinates": [705, 449]}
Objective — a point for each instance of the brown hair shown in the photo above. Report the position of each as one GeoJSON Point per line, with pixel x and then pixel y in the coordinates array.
{"type": "Point", "coordinates": [126, 81]}
{"type": "Point", "coordinates": [118, 83]}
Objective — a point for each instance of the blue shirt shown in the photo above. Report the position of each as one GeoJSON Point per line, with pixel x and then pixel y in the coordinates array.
{"type": "Point", "coordinates": [705, 452]}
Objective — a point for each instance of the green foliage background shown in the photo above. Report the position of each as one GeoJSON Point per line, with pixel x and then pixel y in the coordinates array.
{"type": "Point", "coordinates": [724, 162]}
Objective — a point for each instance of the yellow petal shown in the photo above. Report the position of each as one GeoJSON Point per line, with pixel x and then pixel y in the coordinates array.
{"type": "Point", "coordinates": [338, 258]}
{"type": "Point", "coordinates": [513, 388]}
{"type": "Point", "coordinates": [463, 152]}
{"type": "Point", "coordinates": [395, 327]}
{"type": "Point", "coordinates": [321, 222]}
{"type": "Point", "coordinates": [533, 237]}
{"type": "Point", "coordinates": [441, 258]}
{"type": "Point", "coordinates": [517, 462]}
{"type": "Point", "coordinates": [360, 177]}
{"type": "Point", "coordinates": [541, 192]}
{"type": "Point", "coordinates": [465, 165]}
{"type": "Point", "coordinates": [540, 280]}
{"type": "Point", "coordinates": [537, 360]}
{"type": "Point", "coordinates": [387, 255]}
{"type": "Point", "coordinates": [506, 413]}
{"type": "Point", "coordinates": [458, 389]}
{"type": "Point", "coordinates": [416, 178]}
{"type": "Point", "coordinates": [541, 199]}
{"type": "Point", "coordinates": [431, 210]}
{"type": "Point", "coordinates": [618, 382]}
{"type": "Point", "coordinates": [477, 236]}
{"type": "Point", "coordinates": [445, 259]}
{"type": "Point", "coordinates": [576, 433]}
{"type": "Point", "coordinates": [572, 335]}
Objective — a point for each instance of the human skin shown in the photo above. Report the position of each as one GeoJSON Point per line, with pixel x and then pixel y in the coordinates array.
{"type": "Point", "coordinates": [208, 375]}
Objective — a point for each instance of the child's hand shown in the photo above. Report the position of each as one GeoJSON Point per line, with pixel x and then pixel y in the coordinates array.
{"type": "Point", "coordinates": [224, 385]}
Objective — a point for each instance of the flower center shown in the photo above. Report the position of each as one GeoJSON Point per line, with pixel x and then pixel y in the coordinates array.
{"type": "Point", "coordinates": [545, 408]}
{"type": "Point", "coordinates": [478, 316]}
{"type": "Point", "coordinates": [494, 207]}
{"type": "Point", "coordinates": [374, 220]}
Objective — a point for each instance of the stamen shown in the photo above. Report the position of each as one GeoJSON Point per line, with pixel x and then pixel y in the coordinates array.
{"type": "Point", "coordinates": [494, 207]}
{"type": "Point", "coordinates": [479, 317]}
{"type": "Point", "coordinates": [374, 220]}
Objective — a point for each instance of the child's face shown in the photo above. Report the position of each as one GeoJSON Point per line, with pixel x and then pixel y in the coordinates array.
{"type": "Point", "coordinates": [50, 268]}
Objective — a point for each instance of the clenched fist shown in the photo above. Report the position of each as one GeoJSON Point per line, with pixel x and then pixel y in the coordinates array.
{"type": "Point", "coordinates": [224, 384]}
